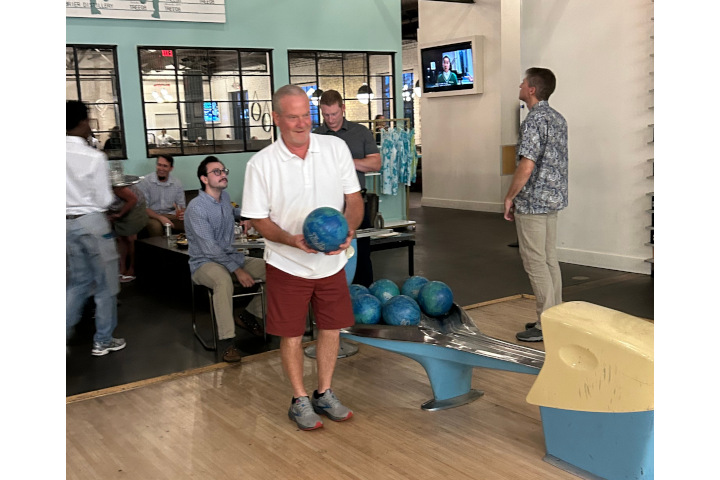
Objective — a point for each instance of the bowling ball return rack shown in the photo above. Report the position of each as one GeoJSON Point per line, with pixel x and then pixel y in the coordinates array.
{"type": "Point", "coordinates": [448, 348]}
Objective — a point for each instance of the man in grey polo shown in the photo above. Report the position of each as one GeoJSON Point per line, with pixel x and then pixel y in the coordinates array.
{"type": "Point", "coordinates": [539, 190]}
{"type": "Point", "coordinates": [366, 158]}
{"type": "Point", "coordinates": [165, 198]}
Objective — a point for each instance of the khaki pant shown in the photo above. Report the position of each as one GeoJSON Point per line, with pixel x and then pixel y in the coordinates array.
{"type": "Point", "coordinates": [537, 239]}
{"type": "Point", "coordinates": [157, 229]}
{"type": "Point", "coordinates": [216, 277]}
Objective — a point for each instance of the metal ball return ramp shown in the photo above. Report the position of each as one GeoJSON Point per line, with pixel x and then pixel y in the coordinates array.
{"type": "Point", "coordinates": [449, 348]}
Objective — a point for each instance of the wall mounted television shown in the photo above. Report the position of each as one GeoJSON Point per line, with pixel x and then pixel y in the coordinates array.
{"type": "Point", "coordinates": [211, 113]}
{"type": "Point", "coordinates": [453, 67]}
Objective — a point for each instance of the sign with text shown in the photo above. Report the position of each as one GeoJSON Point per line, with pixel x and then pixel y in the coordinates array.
{"type": "Point", "coordinates": [167, 10]}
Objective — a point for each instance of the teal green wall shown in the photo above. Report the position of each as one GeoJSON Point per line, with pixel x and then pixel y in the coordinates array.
{"type": "Point", "coordinates": [358, 25]}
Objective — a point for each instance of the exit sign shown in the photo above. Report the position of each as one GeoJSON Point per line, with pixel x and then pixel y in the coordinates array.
{"type": "Point", "coordinates": [167, 53]}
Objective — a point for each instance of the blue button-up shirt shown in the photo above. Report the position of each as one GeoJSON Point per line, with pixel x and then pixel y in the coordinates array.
{"type": "Point", "coordinates": [544, 140]}
{"type": "Point", "coordinates": [210, 230]}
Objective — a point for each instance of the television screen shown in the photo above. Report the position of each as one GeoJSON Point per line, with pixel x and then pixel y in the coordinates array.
{"type": "Point", "coordinates": [211, 112]}
{"type": "Point", "coordinates": [448, 68]}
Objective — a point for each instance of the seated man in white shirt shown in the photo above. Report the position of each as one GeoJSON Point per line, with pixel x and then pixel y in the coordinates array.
{"type": "Point", "coordinates": [165, 140]}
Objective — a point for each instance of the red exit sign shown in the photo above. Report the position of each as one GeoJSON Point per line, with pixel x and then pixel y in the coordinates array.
{"type": "Point", "coordinates": [167, 53]}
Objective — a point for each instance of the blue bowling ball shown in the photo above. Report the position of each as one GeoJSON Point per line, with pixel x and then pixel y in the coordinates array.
{"type": "Point", "coordinates": [401, 310]}
{"type": "Point", "coordinates": [366, 308]}
{"type": "Point", "coordinates": [435, 298]}
{"type": "Point", "coordinates": [325, 229]}
{"type": "Point", "coordinates": [384, 289]}
{"type": "Point", "coordinates": [412, 286]}
{"type": "Point", "coordinates": [356, 290]}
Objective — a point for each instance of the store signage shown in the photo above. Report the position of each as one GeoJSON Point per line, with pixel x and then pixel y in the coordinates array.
{"type": "Point", "coordinates": [212, 11]}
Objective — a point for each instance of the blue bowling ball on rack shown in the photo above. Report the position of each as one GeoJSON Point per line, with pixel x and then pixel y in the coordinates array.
{"type": "Point", "coordinates": [325, 229]}
{"type": "Point", "coordinates": [411, 287]}
{"type": "Point", "coordinates": [384, 289]}
{"type": "Point", "coordinates": [356, 289]}
{"type": "Point", "coordinates": [366, 308]}
{"type": "Point", "coordinates": [435, 298]}
{"type": "Point", "coordinates": [401, 310]}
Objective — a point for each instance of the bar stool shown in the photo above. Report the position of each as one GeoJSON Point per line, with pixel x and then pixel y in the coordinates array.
{"type": "Point", "coordinates": [239, 291]}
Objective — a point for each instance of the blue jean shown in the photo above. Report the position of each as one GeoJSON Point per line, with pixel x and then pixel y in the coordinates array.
{"type": "Point", "coordinates": [92, 269]}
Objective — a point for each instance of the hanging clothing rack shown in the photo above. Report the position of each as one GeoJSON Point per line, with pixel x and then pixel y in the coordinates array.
{"type": "Point", "coordinates": [387, 124]}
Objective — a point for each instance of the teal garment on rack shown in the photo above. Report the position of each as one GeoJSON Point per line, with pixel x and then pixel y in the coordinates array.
{"type": "Point", "coordinates": [399, 159]}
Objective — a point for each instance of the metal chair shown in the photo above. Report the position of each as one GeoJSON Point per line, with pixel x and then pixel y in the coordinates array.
{"type": "Point", "coordinates": [239, 291]}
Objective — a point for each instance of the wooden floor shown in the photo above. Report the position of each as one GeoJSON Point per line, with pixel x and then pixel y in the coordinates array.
{"type": "Point", "coordinates": [230, 421]}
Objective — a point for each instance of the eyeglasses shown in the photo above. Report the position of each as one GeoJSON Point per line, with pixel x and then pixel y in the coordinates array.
{"type": "Point", "coordinates": [220, 171]}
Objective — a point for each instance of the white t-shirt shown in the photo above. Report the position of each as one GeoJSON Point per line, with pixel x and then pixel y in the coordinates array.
{"type": "Point", "coordinates": [286, 188]}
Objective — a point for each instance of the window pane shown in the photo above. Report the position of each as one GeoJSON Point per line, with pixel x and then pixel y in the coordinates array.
{"type": "Point", "coordinates": [302, 63]}
{"type": "Point", "coordinates": [254, 63]}
{"type": "Point", "coordinates": [71, 89]}
{"type": "Point", "coordinates": [353, 85]}
{"type": "Point", "coordinates": [331, 83]}
{"type": "Point", "coordinates": [222, 87]}
{"type": "Point", "coordinates": [156, 61]}
{"type": "Point", "coordinates": [258, 88]}
{"type": "Point", "coordinates": [330, 64]}
{"type": "Point", "coordinates": [69, 61]}
{"type": "Point", "coordinates": [355, 111]}
{"type": "Point", "coordinates": [98, 90]}
{"type": "Point", "coordinates": [355, 64]}
{"type": "Point", "coordinates": [193, 62]}
{"type": "Point", "coordinates": [303, 80]}
{"type": "Point", "coordinates": [223, 62]}
{"type": "Point", "coordinates": [380, 64]}
{"type": "Point", "coordinates": [228, 139]}
{"type": "Point", "coordinates": [260, 137]}
{"type": "Point", "coordinates": [163, 115]}
{"type": "Point", "coordinates": [194, 88]}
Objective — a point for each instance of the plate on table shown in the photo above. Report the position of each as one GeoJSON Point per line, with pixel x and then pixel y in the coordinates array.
{"type": "Point", "coordinates": [182, 241]}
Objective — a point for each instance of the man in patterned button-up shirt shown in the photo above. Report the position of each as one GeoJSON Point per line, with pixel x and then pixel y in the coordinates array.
{"type": "Point", "coordinates": [538, 191]}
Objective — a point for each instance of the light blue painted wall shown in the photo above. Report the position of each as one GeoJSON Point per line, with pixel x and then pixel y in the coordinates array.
{"type": "Point", "coordinates": [359, 25]}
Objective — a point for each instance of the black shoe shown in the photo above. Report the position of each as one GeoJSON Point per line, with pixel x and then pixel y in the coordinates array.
{"type": "Point", "coordinates": [531, 335]}
{"type": "Point", "coordinates": [530, 325]}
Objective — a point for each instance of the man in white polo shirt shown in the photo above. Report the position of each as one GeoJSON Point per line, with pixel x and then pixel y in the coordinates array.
{"type": "Point", "coordinates": [284, 182]}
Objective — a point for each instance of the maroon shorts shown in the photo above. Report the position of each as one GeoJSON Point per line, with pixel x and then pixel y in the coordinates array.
{"type": "Point", "coordinates": [288, 297]}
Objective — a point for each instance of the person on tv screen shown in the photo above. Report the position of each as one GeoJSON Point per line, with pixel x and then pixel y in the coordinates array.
{"type": "Point", "coordinates": [446, 76]}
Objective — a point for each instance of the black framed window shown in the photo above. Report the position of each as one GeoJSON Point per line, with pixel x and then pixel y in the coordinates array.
{"type": "Point", "coordinates": [206, 100]}
{"type": "Point", "coordinates": [364, 79]}
{"type": "Point", "coordinates": [91, 76]}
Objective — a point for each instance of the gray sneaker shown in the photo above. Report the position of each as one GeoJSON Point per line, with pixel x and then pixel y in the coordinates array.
{"type": "Point", "coordinates": [301, 412]}
{"type": "Point", "coordinates": [329, 405]}
{"type": "Point", "coordinates": [533, 334]}
{"type": "Point", "coordinates": [115, 344]}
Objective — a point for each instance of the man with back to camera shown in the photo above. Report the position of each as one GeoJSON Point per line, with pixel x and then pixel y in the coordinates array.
{"type": "Point", "coordinates": [165, 198]}
{"type": "Point", "coordinates": [366, 158]}
{"type": "Point", "coordinates": [277, 203]}
{"type": "Point", "coordinates": [210, 220]}
{"type": "Point", "coordinates": [539, 190]}
{"type": "Point", "coordinates": [91, 254]}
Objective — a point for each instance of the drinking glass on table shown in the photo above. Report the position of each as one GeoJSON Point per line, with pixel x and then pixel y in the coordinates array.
{"type": "Point", "coordinates": [179, 212]}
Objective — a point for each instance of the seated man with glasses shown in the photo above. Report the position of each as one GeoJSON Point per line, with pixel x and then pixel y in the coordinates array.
{"type": "Point", "coordinates": [214, 262]}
